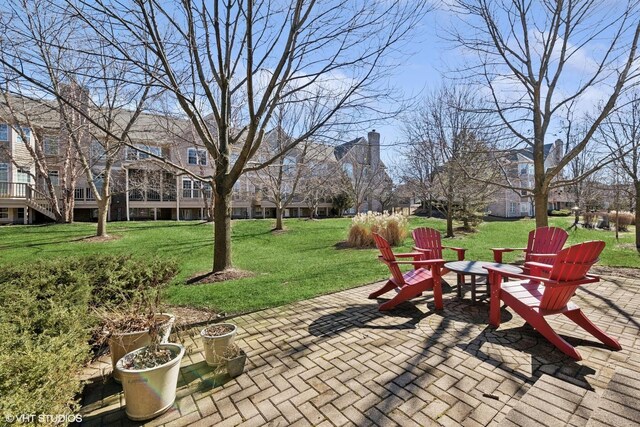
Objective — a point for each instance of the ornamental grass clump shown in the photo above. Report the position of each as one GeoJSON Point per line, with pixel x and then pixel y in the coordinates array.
{"type": "Point", "coordinates": [393, 227]}
{"type": "Point", "coordinates": [622, 220]}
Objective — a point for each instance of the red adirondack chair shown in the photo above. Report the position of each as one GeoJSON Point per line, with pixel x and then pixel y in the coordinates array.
{"type": "Point", "coordinates": [543, 245]}
{"type": "Point", "coordinates": [412, 283]}
{"type": "Point", "coordinates": [429, 242]}
{"type": "Point", "coordinates": [547, 291]}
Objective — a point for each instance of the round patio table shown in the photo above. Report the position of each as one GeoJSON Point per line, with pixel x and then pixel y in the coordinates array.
{"type": "Point", "coordinates": [473, 269]}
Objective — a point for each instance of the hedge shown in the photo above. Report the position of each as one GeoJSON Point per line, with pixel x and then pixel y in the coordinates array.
{"type": "Point", "coordinates": [46, 322]}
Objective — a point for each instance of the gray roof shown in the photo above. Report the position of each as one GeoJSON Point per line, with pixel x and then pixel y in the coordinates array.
{"type": "Point", "coordinates": [342, 149]}
{"type": "Point", "coordinates": [528, 152]}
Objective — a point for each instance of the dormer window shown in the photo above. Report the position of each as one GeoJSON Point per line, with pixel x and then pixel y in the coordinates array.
{"type": "Point", "coordinates": [197, 157]}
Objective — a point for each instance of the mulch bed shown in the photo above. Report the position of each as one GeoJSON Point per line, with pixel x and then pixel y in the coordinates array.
{"type": "Point", "coordinates": [221, 276]}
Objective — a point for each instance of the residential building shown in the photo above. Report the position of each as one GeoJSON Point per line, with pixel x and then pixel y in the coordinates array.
{"type": "Point", "coordinates": [509, 203]}
{"type": "Point", "coordinates": [366, 174]}
{"type": "Point", "coordinates": [144, 186]}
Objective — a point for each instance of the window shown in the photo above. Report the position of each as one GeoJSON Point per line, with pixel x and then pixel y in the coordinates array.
{"type": "Point", "coordinates": [78, 194]}
{"type": "Point", "coordinates": [4, 213]}
{"type": "Point", "coordinates": [89, 193]}
{"type": "Point", "coordinates": [23, 175]}
{"type": "Point", "coordinates": [524, 192]}
{"type": "Point", "coordinates": [186, 188]}
{"type": "Point", "coordinates": [54, 176]}
{"type": "Point", "coordinates": [512, 208]}
{"type": "Point", "coordinates": [206, 190]}
{"type": "Point", "coordinates": [50, 146]}
{"type": "Point", "coordinates": [196, 189]}
{"type": "Point", "coordinates": [142, 153]}
{"type": "Point", "coordinates": [524, 208]}
{"type": "Point", "coordinates": [27, 133]}
{"type": "Point", "coordinates": [4, 172]}
{"type": "Point", "coordinates": [289, 165]}
{"type": "Point", "coordinates": [4, 132]}
{"type": "Point", "coordinates": [348, 169]}
{"type": "Point", "coordinates": [525, 168]}
{"type": "Point", "coordinates": [197, 157]}
{"type": "Point", "coordinates": [97, 150]}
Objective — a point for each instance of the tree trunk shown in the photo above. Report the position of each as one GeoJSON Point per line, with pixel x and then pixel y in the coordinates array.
{"type": "Point", "coordinates": [638, 216]}
{"type": "Point", "coordinates": [449, 218]}
{"type": "Point", "coordinates": [541, 202]}
{"type": "Point", "coordinates": [278, 218]}
{"type": "Point", "coordinates": [465, 217]}
{"type": "Point", "coordinates": [103, 210]}
{"type": "Point", "coordinates": [68, 203]}
{"type": "Point", "coordinates": [222, 232]}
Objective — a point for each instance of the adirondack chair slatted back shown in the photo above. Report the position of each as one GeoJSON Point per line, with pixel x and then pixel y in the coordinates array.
{"type": "Point", "coordinates": [387, 255]}
{"type": "Point", "coordinates": [572, 263]}
{"type": "Point", "coordinates": [428, 238]}
{"type": "Point", "coordinates": [545, 240]}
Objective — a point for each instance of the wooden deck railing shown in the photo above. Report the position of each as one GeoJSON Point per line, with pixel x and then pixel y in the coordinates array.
{"type": "Point", "coordinates": [33, 198]}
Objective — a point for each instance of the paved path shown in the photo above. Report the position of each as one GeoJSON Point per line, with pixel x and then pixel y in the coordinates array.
{"type": "Point", "coordinates": [335, 360]}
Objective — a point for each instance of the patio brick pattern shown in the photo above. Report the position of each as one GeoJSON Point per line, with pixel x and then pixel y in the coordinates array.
{"type": "Point", "coordinates": [336, 360]}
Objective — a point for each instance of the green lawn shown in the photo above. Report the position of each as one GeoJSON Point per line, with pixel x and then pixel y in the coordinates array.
{"type": "Point", "coordinates": [300, 263]}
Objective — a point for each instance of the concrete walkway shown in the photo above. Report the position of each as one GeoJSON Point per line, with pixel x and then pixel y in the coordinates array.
{"type": "Point", "coordinates": [335, 360]}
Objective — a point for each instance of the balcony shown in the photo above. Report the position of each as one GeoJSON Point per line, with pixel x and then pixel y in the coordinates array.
{"type": "Point", "coordinates": [14, 190]}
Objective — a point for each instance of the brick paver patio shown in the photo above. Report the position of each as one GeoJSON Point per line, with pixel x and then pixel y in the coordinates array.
{"type": "Point", "coordinates": [335, 360]}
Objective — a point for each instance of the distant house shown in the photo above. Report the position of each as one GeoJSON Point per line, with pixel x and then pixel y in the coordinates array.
{"type": "Point", "coordinates": [366, 173]}
{"type": "Point", "coordinates": [509, 203]}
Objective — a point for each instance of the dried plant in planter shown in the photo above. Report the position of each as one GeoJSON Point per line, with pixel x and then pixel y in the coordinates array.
{"type": "Point", "coordinates": [219, 329]}
{"type": "Point", "coordinates": [235, 359]}
{"type": "Point", "coordinates": [232, 351]}
{"type": "Point", "coordinates": [216, 339]}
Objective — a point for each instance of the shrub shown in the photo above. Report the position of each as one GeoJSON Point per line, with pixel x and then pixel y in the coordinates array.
{"type": "Point", "coordinates": [123, 279]}
{"type": "Point", "coordinates": [469, 219]}
{"type": "Point", "coordinates": [392, 227]}
{"type": "Point", "coordinates": [623, 221]}
{"type": "Point", "coordinates": [589, 219]}
{"type": "Point", "coordinates": [44, 331]}
{"type": "Point", "coordinates": [561, 212]}
{"type": "Point", "coordinates": [604, 221]}
{"type": "Point", "coordinates": [47, 319]}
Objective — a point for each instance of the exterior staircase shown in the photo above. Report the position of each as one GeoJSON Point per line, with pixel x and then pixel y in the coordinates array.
{"type": "Point", "coordinates": [39, 202]}
{"type": "Point", "coordinates": [24, 193]}
{"type": "Point", "coordinates": [554, 402]}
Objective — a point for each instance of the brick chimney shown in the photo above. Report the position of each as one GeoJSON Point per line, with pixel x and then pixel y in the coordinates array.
{"type": "Point", "coordinates": [373, 139]}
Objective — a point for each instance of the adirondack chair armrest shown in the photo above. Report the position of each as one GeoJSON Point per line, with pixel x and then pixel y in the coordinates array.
{"type": "Point", "coordinates": [587, 279]}
{"type": "Point", "coordinates": [409, 255]}
{"type": "Point", "coordinates": [504, 273]}
{"type": "Point", "coordinates": [415, 248]}
{"type": "Point", "coordinates": [459, 251]}
{"type": "Point", "coordinates": [534, 255]}
{"type": "Point", "coordinates": [546, 281]}
{"type": "Point", "coordinates": [497, 252]}
{"type": "Point", "coordinates": [423, 262]}
{"type": "Point", "coordinates": [538, 265]}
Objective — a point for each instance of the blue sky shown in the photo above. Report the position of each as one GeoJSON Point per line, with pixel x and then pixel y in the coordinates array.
{"type": "Point", "coordinates": [421, 71]}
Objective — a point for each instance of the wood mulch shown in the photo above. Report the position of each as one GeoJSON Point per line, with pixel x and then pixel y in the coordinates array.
{"type": "Point", "coordinates": [221, 276]}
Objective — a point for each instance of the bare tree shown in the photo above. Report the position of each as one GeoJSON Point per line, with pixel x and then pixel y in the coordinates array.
{"type": "Point", "coordinates": [537, 58]}
{"type": "Point", "coordinates": [30, 25]}
{"type": "Point", "coordinates": [449, 136]}
{"type": "Point", "coordinates": [361, 178]}
{"type": "Point", "coordinates": [320, 178]}
{"type": "Point", "coordinates": [621, 134]}
{"type": "Point", "coordinates": [229, 64]}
